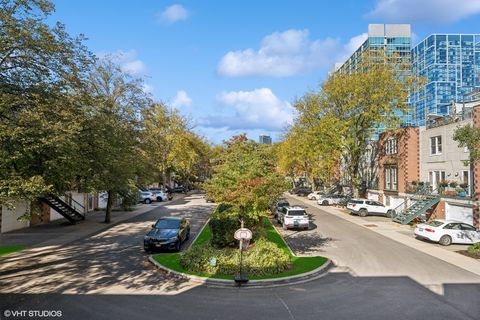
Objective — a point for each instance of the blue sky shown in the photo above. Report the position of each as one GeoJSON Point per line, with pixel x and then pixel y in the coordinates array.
{"type": "Point", "coordinates": [236, 66]}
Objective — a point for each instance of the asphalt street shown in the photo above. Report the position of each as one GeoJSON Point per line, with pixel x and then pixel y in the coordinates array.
{"type": "Point", "coordinates": [106, 276]}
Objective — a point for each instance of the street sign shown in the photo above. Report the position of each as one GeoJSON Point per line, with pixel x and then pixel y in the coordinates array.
{"type": "Point", "coordinates": [243, 234]}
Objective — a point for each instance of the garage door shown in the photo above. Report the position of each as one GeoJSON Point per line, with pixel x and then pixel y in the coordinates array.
{"type": "Point", "coordinates": [459, 213]}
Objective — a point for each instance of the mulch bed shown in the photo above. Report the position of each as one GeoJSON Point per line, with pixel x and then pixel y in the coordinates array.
{"type": "Point", "coordinates": [469, 254]}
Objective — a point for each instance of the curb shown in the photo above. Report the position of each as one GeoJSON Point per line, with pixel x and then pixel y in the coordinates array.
{"type": "Point", "coordinates": [297, 279]}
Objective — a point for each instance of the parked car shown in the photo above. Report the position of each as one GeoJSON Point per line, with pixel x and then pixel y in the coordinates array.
{"type": "Point", "coordinates": [315, 195]}
{"type": "Point", "coordinates": [281, 203]}
{"type": "Point", "coordinates": [293, 217]}
{"type": "Point", "coordinates": [159, 194]}
{"type": "Point", "coordinates": [301, 191]}
{"type": "Point", "coordinates": [147, 197]}
{"type": "Point", "coordinates": [365, 207]}
{"type": "Point", "coordinates": [179, 189]}
{"type": "Point", "coordinates": [447, 232]}
{"type": "Point", "coordinates": [167, 233]}
{"type": "Point", "coordinates": [330, 199]}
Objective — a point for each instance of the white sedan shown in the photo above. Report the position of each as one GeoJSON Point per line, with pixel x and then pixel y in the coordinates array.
{"type": "Point", "coordinates": [365, 207]}
{"type": "Point", "coordinates": [314, 195]}
{"type": "Point", "coordinates": [447, 232]}
{"type": "Point", "coordinates": [329, 200]}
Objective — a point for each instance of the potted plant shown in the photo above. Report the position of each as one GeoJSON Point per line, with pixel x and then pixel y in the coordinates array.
{"type": "Point", "coordinates": [461, 192]}
{"type": "Point", "coordinates": [453, 184]}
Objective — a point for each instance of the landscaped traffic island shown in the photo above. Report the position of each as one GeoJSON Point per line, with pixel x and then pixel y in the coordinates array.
{"type": "Point", "coordinates": [267, 258]}
{"type": "Point", "coordinates": [5, 250]}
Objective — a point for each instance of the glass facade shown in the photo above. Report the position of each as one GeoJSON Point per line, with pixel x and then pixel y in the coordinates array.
{"type": "Point", "coordinates": [393, 46]}
{"type": "Point", "coordinates": [450, 64]}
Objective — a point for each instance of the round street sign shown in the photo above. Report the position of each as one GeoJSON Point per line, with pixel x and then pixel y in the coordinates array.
{"type": "Point", "coordinates": [243, 234]}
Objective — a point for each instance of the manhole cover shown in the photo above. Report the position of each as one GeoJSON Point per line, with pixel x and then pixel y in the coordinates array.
{"type": "Point", "coordinates": [370, 225]}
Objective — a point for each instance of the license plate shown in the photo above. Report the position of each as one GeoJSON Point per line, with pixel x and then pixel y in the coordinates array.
{"type": "Point", "coordinates": [158, 245]}
{"type": "Point", "coordinates": [420, 229]}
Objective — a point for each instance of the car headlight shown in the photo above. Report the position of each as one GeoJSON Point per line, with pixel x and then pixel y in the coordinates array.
{"type": "Point", "coordinates": [147, 238]}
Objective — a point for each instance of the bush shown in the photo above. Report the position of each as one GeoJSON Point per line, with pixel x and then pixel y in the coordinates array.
{"type": "Point", "coordinates": [264, 258]}
{"type": "Point", "coordinates": [474, 248]}
{"type": "Point", "coordinates": [225, 220]}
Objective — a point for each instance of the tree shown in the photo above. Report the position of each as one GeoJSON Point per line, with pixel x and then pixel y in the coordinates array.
{"type": "Point", "coordinates": [340, 120]}
{"type": "Point", "coordinates": [111, 132]}
{"type": "Point", "coordinates": [42, 70]}
{"type": "Point", "coordinates": [468, 136]}
{"type": "Point", "coordinates": [246, 177]}
{"type": "Point", "coordinates": [170, 145]}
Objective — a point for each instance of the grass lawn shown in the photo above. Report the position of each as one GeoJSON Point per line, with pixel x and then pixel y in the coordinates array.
{"type": "Point", "coordinates": [300, 264]}
{"type": "Point", "coordinates": [4, 250]}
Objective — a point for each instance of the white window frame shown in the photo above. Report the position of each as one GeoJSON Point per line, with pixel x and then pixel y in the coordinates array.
{"type": "Point", "coordinates": [436, 145]}
{"type": "Point", "coordinates": [391, 146]}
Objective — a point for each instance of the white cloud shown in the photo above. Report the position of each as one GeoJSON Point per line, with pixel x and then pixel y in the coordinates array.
{"type": "Point", "coordinates": [257, 109]}
{"type": "Point", "coordinates": [128, 62]}
{"type": "Point", "coordinates": [436, 11]}
{"type": "Point", "coordinates": [350, 47]}
{"type": "Point", "coordinates": [147, 88]}
{"type": "Point", "coordinates": [281, 54]}
{"type": "Point", "coordinates": [287, 54]}
{"type": "Point", "coordinates": [181, 99]}
{"type": "Point", "coordinates": [173, 13]}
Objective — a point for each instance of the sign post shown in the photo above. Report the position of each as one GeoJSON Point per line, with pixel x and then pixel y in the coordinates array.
{"type": "Point", "coordinates": [243, 235]}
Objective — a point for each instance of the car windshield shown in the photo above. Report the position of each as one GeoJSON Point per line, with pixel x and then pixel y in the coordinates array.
{"type": "Point", "coordinates": [296, 212]}
{"type": "Point", "coordinates": [283, 204]}
{"type": "Point", "coordinates": [434, 223]}
{"type": "Point", "coordinates": [168, 224]}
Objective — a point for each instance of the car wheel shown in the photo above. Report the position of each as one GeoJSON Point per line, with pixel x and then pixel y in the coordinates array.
{"type": "Point", "coordinates": [178, 245]}
{"type": "Point", "coordinates": [148, 201]}
{"type": "Point", "coordinates": [445, 240]}
{"type": "Point", "coordinates": [284, 226]}
{"type": "Point", "coordinates": [159, 199]}
{"type": "Point", "coordinates": [390, 213]}
{"type": "Point", "coordinates": [188, 235]}
{"type": "Point", "coordinates": [314, 198]}
{"type": "Point", "coordinates": [147, 250]}
{"type": "Point", "coordinates": [325, 203]}
{"type": "Point", "coordinates": [363, 212]}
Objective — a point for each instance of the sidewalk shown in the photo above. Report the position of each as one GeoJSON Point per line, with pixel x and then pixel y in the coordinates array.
{"type": "Point", "coordinates": [397, 232]}
{"type": "Point", "coordinates": [60, 232]}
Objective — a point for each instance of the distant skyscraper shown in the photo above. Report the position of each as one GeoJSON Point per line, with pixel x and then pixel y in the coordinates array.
{"type": "Point", "coordinates": [265, 139]}
{"type": "Point", "coordinates": [451, 65]}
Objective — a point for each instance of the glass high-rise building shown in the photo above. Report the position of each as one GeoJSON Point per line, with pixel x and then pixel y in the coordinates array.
{"type": "Point", "coordinates": [450, 64]}
{"type": "Point", "coordinates": [393, 40]}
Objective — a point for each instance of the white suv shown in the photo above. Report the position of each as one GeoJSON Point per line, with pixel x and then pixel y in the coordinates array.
{"type": "Point", "coordinates": [293, 217]}
{"type": "Point", "coordinates": [365, 207]}
{"type": "Point", "coordinates": [147, 197]}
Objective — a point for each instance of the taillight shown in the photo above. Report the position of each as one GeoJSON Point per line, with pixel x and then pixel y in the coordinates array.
{"type": "Point", "coordinates": [353, 205]}
{"type": "Point", "coordinates": [429, 230]}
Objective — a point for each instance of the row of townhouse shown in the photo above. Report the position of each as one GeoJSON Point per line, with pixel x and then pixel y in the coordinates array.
{"type": "Point", "coordinates": [425, 164]}
{"type": "Point", "coordinates": [83, 203]}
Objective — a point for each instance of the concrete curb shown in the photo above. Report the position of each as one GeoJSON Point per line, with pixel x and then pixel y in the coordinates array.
{"type": "Point", "coordinates": [297, 279]}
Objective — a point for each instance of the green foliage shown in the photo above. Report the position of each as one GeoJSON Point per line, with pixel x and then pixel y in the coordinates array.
{"type": "Point", "coordinates": [226, 220]}
{"type": "Point", "coordinates": [264, 258]}
{"type": "Point", "coordinates": [469, 137]}
{"type": "Point", "coordinates": [42, 70]}
{"type": "Point", "coordinates": [474, 248]}
{"type": "Point", "coordinates": [5, 250]}
{"type": "Point", "coordinates": [338, 121]}
{"type": "Point", "coordinates": [245, 176]}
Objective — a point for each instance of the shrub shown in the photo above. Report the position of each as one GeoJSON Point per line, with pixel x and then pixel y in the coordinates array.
{"type": "Point", "coordinates": [453, 184]}
{"type": "Point", "coordinates": [474, 248]}
{"type": "Point", "coordinates": [263, 258]}
{"type": "Point", "coordinates": [225, 221]}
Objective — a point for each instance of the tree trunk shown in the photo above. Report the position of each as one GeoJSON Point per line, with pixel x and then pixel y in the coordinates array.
{"type": "Point", "coordinates": [108, 210]}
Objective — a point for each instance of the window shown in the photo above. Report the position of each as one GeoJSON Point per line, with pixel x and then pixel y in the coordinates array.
{"type": "Point", "coordinates": [391, 146]}
{"type": "Point", "coordinates": [391, 178]}
{"type": "Point", "coordinates": [468, 227]}
{"type": "Point", "coordinates": [436, 145]}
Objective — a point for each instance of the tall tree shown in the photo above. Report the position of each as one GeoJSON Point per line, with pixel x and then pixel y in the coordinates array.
{"type": "Point", "coordinates": [42, 69]}
{"type": "Point", "coordinates": [111, 133]}
{"type": "Point", "coordinates": [468, 136]}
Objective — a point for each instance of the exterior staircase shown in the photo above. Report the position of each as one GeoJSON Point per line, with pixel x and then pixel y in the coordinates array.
{"type": "Point", "coordinates": [421, 201]}
{"type": "Point", "coordinates": [72, 215]}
